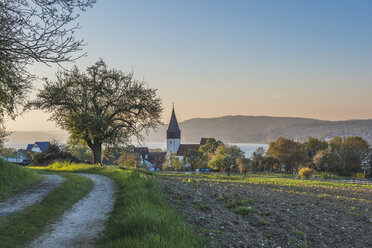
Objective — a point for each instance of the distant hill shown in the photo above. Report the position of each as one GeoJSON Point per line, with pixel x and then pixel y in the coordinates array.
{"type": "Point", "coordinates": [19, 139]}
{"type": "Point", "coordinates": [263, 129]}
{"type": "Point", "coordinates": [233, 129]}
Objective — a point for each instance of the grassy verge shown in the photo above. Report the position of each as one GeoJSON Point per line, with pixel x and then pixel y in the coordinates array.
{"type": "Point", "coordinates": [14, 178]}
{"type": "Point", "coordinates": [18, 229]}
{"type": "Point", "coordinates": [141, 216]}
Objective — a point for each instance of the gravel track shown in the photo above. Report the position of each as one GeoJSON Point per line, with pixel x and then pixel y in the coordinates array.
{"type": "Point", "coordinates": [82, 224]}
{"type": "Point", "coordinates": [31, 196]}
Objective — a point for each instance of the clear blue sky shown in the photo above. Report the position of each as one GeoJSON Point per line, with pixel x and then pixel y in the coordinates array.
{"type": "Point", "coordinates": [213, 58]}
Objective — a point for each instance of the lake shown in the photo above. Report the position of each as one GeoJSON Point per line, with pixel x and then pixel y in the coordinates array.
{"type": "Point", "coordinates": [248, 148]}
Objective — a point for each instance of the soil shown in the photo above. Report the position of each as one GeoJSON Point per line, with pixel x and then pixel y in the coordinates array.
{"type": "Point", "coordinates": [83, 223]}
{"type": "Point", "coordinates": [276, 215]}
{"type": "Point", "coordinates": [31, 196]}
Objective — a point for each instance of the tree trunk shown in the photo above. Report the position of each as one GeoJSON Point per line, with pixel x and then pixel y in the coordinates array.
{"type": "Point", "coordinates": [97, 153]}
{"type": "Point", "coordinates": [228, 172]}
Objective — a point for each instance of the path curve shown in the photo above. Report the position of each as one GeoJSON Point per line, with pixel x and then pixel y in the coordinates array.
{"type": "Point", "coordinates": [80, 226]}
{"type": "Point", "coordinates": [31, 196]}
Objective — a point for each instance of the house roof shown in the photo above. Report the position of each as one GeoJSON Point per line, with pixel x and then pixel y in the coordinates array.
{"type": "Point", "coordinates": [157, 158]}
{"type": "Point", "coordinates": [29, 146]}
{"type": "Point", "coordinates": [43, 146]}
{"type": "Point", "coordinates": [185, 147]}
{"type": "Point", "coordinates": [173, 130]}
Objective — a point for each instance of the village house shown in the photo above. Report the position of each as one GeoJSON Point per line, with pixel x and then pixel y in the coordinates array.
{"type": "Point", "coordinates": [38, 147]}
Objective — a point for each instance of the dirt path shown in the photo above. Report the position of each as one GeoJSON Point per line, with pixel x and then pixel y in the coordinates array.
{"type": "Point", "coordinates": [31, 196]}
{"type": "Point", "coordinates": [82, 224]}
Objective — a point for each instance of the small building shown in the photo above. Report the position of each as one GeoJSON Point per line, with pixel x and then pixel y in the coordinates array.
{"type": "Point", "coordinates": [38, 147]}
{"type": "Point", "coordinates": [21, 157]}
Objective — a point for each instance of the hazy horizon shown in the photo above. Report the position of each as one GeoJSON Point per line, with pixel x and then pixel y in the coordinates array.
{"type": "Point", "coordinates": [217, 58]}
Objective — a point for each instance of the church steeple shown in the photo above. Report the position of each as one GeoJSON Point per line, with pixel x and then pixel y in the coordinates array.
{"type": "Point", "coordinates": [173, 134]}
{"type": "Point", "coordinates": [173, 131]}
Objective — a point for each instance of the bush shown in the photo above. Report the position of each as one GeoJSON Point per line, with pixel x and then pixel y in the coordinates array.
{"type": "Point", "coordinates": [306, 172]}
{"type": "Point", "coordinates": [55, 152]}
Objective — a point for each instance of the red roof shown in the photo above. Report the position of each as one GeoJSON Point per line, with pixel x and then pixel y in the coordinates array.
{"type": "Point", "coordinates": [203, 141]}
{"type": "Point", "coordinates": [185, 147]}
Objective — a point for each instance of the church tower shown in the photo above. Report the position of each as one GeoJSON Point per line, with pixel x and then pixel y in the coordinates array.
{"type": "Point", "coordinates": [173, 135]}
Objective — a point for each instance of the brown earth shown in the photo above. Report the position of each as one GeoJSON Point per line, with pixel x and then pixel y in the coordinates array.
{"type": "Point", "coordinates": [276, 215]}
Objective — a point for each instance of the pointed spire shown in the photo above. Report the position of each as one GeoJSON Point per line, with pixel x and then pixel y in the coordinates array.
{"type": "Point", "coordinates": [173, 131]}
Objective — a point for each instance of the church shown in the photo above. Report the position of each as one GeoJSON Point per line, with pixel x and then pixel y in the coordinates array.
{"type": "Point", "coordinates": [174, 139]}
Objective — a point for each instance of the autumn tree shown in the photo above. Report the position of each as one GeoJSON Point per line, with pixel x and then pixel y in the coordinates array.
{"type": "Point", "coordinates": [195, 159]}
{"type": "Point", "coordinates": [101, 106]}
{"type": "Point", "coordinates": [257, 158]}
{"type": "Point", "coordinates": [225, 158]}
{"type": "Point", "coordinates": [327, 160]}
{"type": "Point", "coordinates": [353, 152]}
{"type": "Point", "coordinates": [289, 153]}
{"type": "Point", "coordinates": [244, 165]}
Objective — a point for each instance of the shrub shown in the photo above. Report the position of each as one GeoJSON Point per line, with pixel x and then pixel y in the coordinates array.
{"type": "Point", "coordinates": [306, 172]}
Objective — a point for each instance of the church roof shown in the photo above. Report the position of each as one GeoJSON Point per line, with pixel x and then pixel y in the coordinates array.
{"type": "Point", "coordinates": [185, 147]}
{"type": "Point", "coordinates": [173, 124]}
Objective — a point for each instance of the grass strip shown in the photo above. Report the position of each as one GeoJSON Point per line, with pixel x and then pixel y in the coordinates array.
{"type": "Point", "coordinates": [141, 215]}
{"type": "Point", "coordinates": [14, 179]}
{"type": "Point", "coordinates": [18, 229]}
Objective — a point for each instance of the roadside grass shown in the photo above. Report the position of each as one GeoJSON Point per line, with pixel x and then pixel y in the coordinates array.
{"type": "Point", "coordinates": [14, 179]}
{"type": "Point", "coordinates": [18, 229]}
{"type": "Point", "coordinates": [141, 215]}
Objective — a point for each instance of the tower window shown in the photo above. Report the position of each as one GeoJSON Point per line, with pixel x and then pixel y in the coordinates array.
{"type": "Point", "coordinates": [170, 142]}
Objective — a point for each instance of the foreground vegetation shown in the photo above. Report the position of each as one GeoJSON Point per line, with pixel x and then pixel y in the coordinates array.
{"type": "Point", "coordinates": [14, 179]}
{"type": "Point", "coordinates": [141, 216]}
{"type": "Point", "coordinates": [18, 229]}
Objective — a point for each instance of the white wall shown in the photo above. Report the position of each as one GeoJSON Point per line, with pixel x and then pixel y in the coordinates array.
{"type": "Point", "coordinates": [173, 145]}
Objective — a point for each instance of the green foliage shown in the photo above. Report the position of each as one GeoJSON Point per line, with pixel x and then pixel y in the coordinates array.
{"type": "Point", "coordinates": [14, 178]}
{"type": "Point", "coordinates": [314, 145]}
{"type": "Point", "coordinates": [289, 152]}
{"type": "Point", "coordinates": [141, 216]}
{"type": "Point", "coordinates": [129, 160]}
{"type": "Point", "coordinates": [225, 158]}
{"type": "Point", "coordinates": [210, 147]}
{"type": "Point", "coordinates": [79, 149]}
{"type": "Point", "coordinates": [16, 230]}
{"type": "Point", "coordinates": [101, 106]}
{"type": "Point", "coordinates": [54, 153]}
{"type": "Point", "coordinates": [173, 163]}
{"type": "Point", "coordinates": [195, 159]}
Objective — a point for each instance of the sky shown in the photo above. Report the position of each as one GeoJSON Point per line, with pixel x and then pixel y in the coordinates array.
{"type": "Point", "coordinates": [216, 57]}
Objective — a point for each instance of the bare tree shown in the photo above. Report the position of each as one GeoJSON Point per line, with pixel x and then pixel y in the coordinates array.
{"type": "Point", "coordinates": [34, 31]}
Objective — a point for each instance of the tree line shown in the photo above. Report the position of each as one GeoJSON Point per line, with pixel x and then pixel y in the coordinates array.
{"type": "Point", "coordinates": [341, 155]}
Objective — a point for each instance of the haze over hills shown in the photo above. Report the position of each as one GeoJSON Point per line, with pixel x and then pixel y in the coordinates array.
{"type": "Point", "coordinates": [263, 129]}
{"type": "Point", "coordinates": [233, 129]}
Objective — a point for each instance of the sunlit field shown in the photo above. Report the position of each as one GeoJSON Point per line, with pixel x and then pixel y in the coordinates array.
{"type": "Point", "coordinates": [262, 210]}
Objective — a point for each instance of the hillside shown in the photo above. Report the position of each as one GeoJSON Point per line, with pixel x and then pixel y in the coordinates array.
{"type": "Point", "coordinates": [263, 129]}
{"type": "Point", "coordinates": [234, 129]}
